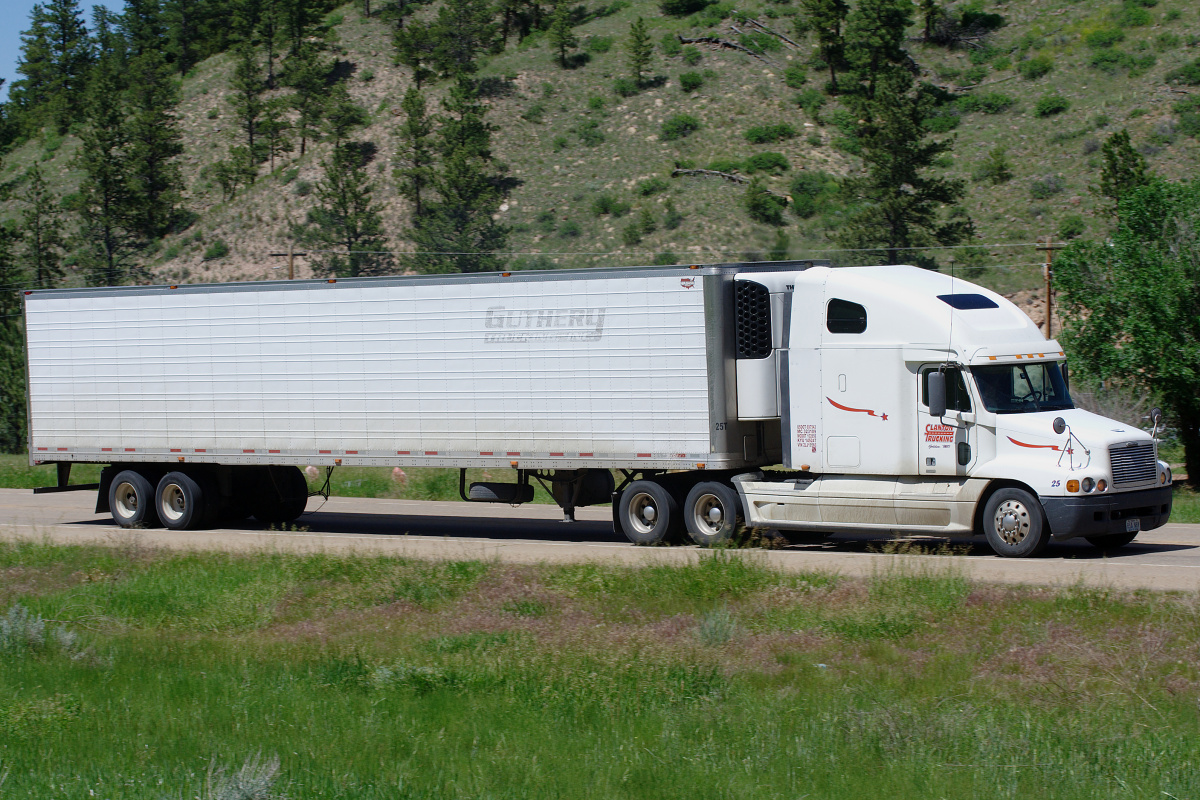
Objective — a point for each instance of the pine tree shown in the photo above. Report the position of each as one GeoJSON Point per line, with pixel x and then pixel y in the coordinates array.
{"type": "Point", "coordinates": [875, 38]}
{"type": "Point", "coordinates": [562, 35]}
{"type": "Point", "coordinates": [456, 232]}
{"type": "Point", "coordinates": [827, 19]}
{"type": "Point", "coordinates": [899, 203]}
{"type": "Point", "coordinates": [41, 241]}
{"type": "Point", "coordinates": [56, 56]}
{"type": "Point", "coordinates": [638, 49]}
{"type": "Point", "coordinates": [306, 72]}
{"type": "Point", "coordinates": [1124, 170]}
{"type": "Point", "coordinates": [464, 31]}
{"type": "Point", "coordinates": [276, 129]}
{"type": "Point", "coordinates": [154, 145]}
{"type": "Point", "coordinates": [13, 434]}
{"type": "Point", "coordinates": [347, 218]}
{"type": "Point", "coordinates": [183, 19]}
{"type": "Point", "coordinates": [342, 115]}
{"type": "Point", "coordinates": [143, 26]}
{"type": "Point", "coordinates": [414, 45]}
{"type": "Point", "coordinates": [247, 98]}
{"type": "Point", "coordinates": [107, 233]}
{"type": "Point", "coordinates": [415, 157]}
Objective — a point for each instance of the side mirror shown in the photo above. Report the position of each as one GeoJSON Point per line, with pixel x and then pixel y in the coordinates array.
{"type": "Point", "coordinates": [1156, 416]}
{"type": "Point", "coordinates": [1060, 424]}
{"type": "Point", "coordinates": [937, 394]}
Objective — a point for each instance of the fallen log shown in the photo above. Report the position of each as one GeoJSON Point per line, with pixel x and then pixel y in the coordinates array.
{"type": "Point", "coordinates": [725, 43]}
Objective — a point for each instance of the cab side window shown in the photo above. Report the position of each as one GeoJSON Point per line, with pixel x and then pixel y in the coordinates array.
{"type": "Point", "coordinates": [842, 316]}
{"type": "Point", "coordinates": [957, 398]}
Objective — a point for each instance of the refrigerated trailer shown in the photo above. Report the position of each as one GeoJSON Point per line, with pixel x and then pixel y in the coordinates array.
{"type": "Point", "coordinates": [788, 395]}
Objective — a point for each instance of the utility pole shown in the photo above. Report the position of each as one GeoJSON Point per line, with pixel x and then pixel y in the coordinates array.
{"type": "Point", "coordinates": [1047, 271]}
{"type": "Point", "coordinates": [291, 260]}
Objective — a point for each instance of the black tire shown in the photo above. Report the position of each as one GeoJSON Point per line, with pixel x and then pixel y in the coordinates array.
{"type": "Point", "coordinates": [712, 513]}
{"type": "Point", "coordinates": [1015, 524]}
{"type": "Point", "coordinates": [282, 497]}
{"type": "Point", "coordinates": [182, 502]}
{"type": "Point", "coordinates": [1111, 541]}
{"type": "Point", "coordinates": [131, 500]}
{"type": "Point", "coordinates": [648, 514]}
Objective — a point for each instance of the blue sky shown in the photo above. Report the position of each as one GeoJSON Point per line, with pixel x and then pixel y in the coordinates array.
{"type": "Point", "coordinates": [14, 18]}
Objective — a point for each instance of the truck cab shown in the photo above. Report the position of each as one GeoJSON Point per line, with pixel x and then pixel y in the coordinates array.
{"type": "Point", "coordinates": [997, 447]}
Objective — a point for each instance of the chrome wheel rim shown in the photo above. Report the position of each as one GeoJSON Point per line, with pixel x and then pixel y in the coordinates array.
{"type": "Point", "coordinates": [643, 512]}
{"type": "Point", "coordinates": [173, 503]}
{"type": "Point", "coordinates": [1012, 522]}
{"type": "Point", "coordinates": [708, 514]}
{"type": "Point", "coordinates": [126, 499]}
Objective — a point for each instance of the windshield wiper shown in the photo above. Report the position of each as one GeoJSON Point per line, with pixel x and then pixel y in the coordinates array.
{"type": "Point", "coordinates": [1032, 392]}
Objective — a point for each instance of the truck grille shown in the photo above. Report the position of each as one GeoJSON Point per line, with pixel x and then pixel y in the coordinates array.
{"type": "Point", "coordinates": [752, 319]}
{"type": "Point", "coordinates": [1133, 462]}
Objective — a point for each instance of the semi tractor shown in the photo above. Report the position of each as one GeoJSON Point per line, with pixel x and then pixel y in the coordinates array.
{"type": "Point", "coordinates": [695, 399]}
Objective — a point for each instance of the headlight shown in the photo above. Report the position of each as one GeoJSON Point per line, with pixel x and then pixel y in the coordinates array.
{"type": "Point", "coordinates": [1101, 485]}
{"type": "Point", "coordinates": [1169, 475]}
{"type": "Point", "coordinates": [1088, 484]}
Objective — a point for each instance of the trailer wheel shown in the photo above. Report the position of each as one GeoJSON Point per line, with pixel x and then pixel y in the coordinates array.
{"type": "Point", "coordinates": [648, 514]}
{"type": "Point", "coordinates": [1014, 524]}
{"type": "Point", "coordinates": [182, 501]}
{"type": "Point", "coordinates": [282, 496]}
{"type": "Point", "coordinates": [1111, 541]}
{"type": "Point", "coordinates": [131, 500]}
{"type": "Point", "coordinates": [712, 513]}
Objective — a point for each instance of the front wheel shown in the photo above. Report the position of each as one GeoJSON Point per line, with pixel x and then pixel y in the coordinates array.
{"type": "Point", "coordinates": [1111, 541]}
{"type": "Point", "coordinates": [1014, 524]}
{"type": "Point", "coordinates": [712, 513]}
{"type": "Point", "coordinates": [648, 514]}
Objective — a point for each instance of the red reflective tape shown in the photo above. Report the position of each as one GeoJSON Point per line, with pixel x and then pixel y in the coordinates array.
{"type": "Point", "coordinates": [43, 448]}
{"type": "Point", "coordinates": [201, 450]}
{"type": "Point", "coordinates": [130, 449]}
{"type": "Point", "coordinates": [556, 454]}
{"type": "Point", "coordinates": [62, 449]}
{"type": "Point", "coordinates": [514, 454]}
{"type": "Point", "coordinates": [488, 453]}
{"type": "Point", "coordinates": [324, 452]}
{"type": "Point", "coordinates": [176, 450]}
{"type": "Point", "coordinates": [404, 452]}
{"type": "Point", "coordinates": [681, 455]}
{"type": "Point", "coordinates": [247, 451]}
{"type": "Point", "coordinates": [431, 452]}
{"type": "Point", "coordinates": [351, 452]}
{"type": "Point", "coordinates": [105, 449]}
{"type": "Point", "coordinates": [645, 455]}
{"type": "Point", "coordinates": [587, 455]}
{"type": "Point", "coordinates": [272, 451]}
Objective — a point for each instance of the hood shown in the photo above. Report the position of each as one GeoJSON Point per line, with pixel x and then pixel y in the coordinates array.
{"type": "Point", "coordinates": [1085, 442]}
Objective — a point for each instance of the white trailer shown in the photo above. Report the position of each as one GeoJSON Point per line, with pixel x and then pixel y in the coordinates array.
{"type": "Point", "coordinates": [687, 381]}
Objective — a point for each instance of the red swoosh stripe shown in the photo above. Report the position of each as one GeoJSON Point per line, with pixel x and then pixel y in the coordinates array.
{"type": "Point", "coordinates": [867, 411]}
{"type": "Point", "coordinates": [1035, 446]}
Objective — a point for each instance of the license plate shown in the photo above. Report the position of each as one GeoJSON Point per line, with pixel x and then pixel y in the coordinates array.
{"type": "Point", "coordinates": [1132, 525]}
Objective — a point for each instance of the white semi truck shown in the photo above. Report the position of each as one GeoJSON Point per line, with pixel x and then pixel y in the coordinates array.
{"type": "Point", "coordinates": [884, 399]}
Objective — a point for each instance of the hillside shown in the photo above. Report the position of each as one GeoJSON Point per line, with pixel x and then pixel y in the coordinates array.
{"type": "Point", "coordinates": [568, 138]}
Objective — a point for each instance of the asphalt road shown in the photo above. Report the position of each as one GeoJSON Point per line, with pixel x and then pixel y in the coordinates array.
{"type": "Point", "coordinates": [1163, 559]}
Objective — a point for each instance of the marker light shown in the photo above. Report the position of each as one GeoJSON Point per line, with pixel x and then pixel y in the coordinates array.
{"type": "Point", "coordinates": [1072, 486]}
{"type": "Point", "coordinates": [1088, 484]}
{"type": "Point", "coordinates": [1101, 485]}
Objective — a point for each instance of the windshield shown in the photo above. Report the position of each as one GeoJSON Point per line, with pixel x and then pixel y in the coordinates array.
{"type": "Point", "coordinates": [1020, 388]}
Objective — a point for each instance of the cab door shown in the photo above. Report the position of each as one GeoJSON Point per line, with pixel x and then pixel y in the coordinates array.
{"type": "Point", "coordinates": [945, 445]}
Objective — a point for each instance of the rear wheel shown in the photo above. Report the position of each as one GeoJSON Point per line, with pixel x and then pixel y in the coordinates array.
{"type": "Point", "coordinates": [131, 500]}
{"type": "Point", "coordinates": [712, 513]}
{"type": "Point", "coordinates": [1111, 541]}
{"type": "Point", "coordinates": [648, 514]}
{"type": "Point", "coordinates": [182, 502]}
{"type": "Point", "coordinates": [1014, 524]}
{"type": "Point", "coordinates": [282, 496]}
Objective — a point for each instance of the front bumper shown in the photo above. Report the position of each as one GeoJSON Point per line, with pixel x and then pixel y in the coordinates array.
{"type": "Point", "coordinates": [1100, 514]}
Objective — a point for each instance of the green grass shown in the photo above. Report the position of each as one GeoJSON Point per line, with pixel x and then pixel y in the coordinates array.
{"type": "Point", "coordinates": [390, 678]}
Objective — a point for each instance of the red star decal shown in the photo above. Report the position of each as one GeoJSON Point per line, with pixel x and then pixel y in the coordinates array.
{"type": "Point", "coordinates": [885, 417]}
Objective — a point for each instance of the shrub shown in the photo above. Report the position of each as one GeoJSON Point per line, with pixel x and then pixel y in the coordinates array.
{"type": "Point", "coordinates": [811, 100]}
{"type": "Point", "coordinates": [975, 75]}
{"type": "Point", "coordinates": [560, 143]}
{"type": "Point", "coordinates": [994, 168]}
{"type": "Point", "coordinates": [570, 229]}
{"type": "Point", "coordinates": [690, 81]}
{"type": "Point", "coordinates": [679, 126]}
{"type": "Point", "coordinates": [626, 87]}
{"type": "Point", "coordinates": [607, 204]}
{"type": "Point", "coordinates": [1090, 145]}
{"type": "Point", "coordinates": [1166, 41]}
{"type": "Point", "coordinates": [795, 76]}
{"type": "Point", "coordinates": [768, 134]}
{"type": "Point", "coordinates": [1072, 227]}
{"type": "Point", "coordinates": [670, 45]}
{"type": "Point", "coordinates": [631, 234]}
{"type": "Point", "coordinates": [942, 120]}
{"type": "Point", "coordinates": [692, 55]}
{"type": "Point", "coordinates": [589, 133]}
{"type": "Point", "coordinates": [218, 249]}
{"type": "Point", "coordinates": [303, 188]}
{"type": "Point", "coordinates": [1051, 104]}
{"type": "Point", "coordinates": [598, 44]}
{"type": "Point", "coordinates": [1172, 14]}
{"type": "Point", "coordinates": [646, 223]}
{"type": "Point", "coordinates": [652, 186]}
{"type": "Point", "coordinates": [1132, 16]}
{"type": "Point", "coordinates": [1034, 68]}
{"type": "Point", "coordinates": [596, 103]}
{"type": "Point", "coordinates": [1002, 63]}
{"type": "Point", "coordinates": [536, 113]}
{"type": "Point", "coordinates": [774, 163]}
{"type": "Point", "coordinates": [672, 219]}
{"type": "Point", "coordinates": [1044, 188]}
{"type": "Point", "coordinates": [1188, 110]}
{"type": "Point", "coordinates": [986, 103]}
{"type": "Point", "coordinates": [1188, 73]}
{"type": "Point", "coordinates": [762, 205]}
{"type": "Point", "coordinates": [681, 8]}
{"type": "Point", "coordinates": [665, 259]}
{"type": "Point", "coordinates": [1104, 37]}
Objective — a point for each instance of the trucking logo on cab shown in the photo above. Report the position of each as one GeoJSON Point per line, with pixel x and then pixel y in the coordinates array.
{"type": "Point", "coordinates": [939, 433]}
{"type": "Point", "coordinates": [687, 283]}
{"type": "Point", "coordinates": [544, 325]}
